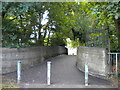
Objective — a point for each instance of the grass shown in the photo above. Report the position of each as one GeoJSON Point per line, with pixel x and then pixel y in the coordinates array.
{"type": "Point", "coordinates": [7, 83]}
{"type": "Point", "coordinates": [9, 86]}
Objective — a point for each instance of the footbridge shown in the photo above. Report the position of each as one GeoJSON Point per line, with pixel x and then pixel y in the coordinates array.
{"type": "Point", "coordinates": [64, 74]}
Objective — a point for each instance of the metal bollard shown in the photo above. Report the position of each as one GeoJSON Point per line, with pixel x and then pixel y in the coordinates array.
{"type": "Point", "coordinates": [18, 71]}
{"type": "Point", "coordinates": [116, 65]}
{"type": "Point", "coordinates": [48, 72]}
{"type": "Point", "coordinates": [86, 74]}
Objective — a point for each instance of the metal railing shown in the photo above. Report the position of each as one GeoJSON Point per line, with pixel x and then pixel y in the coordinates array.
{"type": "Point", "coordinates": [116, 57]}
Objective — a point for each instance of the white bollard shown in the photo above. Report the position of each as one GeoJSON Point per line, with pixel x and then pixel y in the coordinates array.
{"type": "Point", "coordinates": [18, 71]}
{"type": "Point", "coordinates": [48, 72]}
{"type": "Point", "coordinates": [86, 74]}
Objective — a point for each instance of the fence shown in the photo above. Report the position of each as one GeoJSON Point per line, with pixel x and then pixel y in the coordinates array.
{"type": "Point", "coordinates": [114, 59]}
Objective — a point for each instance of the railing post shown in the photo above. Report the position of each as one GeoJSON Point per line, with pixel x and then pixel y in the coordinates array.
{"type": "Point", "coordinates": [48, 72]}
{"type": "Point", "coordinates": [86, 74]}
{"type": "Point", "coordinates": [18, 71]}
{"type": "Point", "coordinates": [116, 65]}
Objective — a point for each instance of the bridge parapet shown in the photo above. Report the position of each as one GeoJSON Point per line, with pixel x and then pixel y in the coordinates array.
{"type": "Point", "coordinates": [28, 56]}
{"type": "Point", "coordinates": [97, 59]}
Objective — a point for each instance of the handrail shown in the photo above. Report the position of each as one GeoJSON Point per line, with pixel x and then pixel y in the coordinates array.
{"type": "Point", "coordinates": [116, 54]}
{"type": "Point", "coordinates": [113, 53]}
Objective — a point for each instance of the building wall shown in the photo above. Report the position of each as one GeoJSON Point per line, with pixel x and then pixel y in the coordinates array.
{"type": "Point", "coordinates": [72, 51]}
{"type": "Point", "coordinates": [97, 59]}
{"type": "Point", "coordinates": [28, 56]}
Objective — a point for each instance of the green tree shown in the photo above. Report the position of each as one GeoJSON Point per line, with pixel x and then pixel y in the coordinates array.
{"type": "Point", "coordinates": [22, 23]}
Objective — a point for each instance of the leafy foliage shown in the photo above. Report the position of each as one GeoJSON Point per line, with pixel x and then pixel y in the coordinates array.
{"type": "Point", "coordinates": [22, 23]}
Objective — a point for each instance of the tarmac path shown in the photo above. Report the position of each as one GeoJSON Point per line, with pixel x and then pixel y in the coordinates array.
{"type": "Point", "coordinates": [63, 74]}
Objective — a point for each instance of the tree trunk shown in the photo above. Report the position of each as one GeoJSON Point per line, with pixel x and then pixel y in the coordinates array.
{"type": "Point", "coordinates": [117, 23]}
{"type": "Point", "coordinates": [40, 37]}
{"type": "Point", "coordinates": [48, 38]}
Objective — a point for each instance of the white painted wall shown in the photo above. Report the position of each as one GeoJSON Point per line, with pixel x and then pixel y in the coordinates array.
{"type": "Point", "coordinates": [72, 51]}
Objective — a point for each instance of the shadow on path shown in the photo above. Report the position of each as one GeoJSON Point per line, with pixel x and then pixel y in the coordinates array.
{"type": "Point", "coordinates": [64, 72]}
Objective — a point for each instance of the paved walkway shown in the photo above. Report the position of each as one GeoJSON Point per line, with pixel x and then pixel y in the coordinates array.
{"type": "Point", "coordinates": [64, 74]}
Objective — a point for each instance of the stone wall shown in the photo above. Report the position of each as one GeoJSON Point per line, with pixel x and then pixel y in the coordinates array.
{"type": "Point", "coordinates": [28, 56]}
{"type": "Point", "coordinates": [97, 59]}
